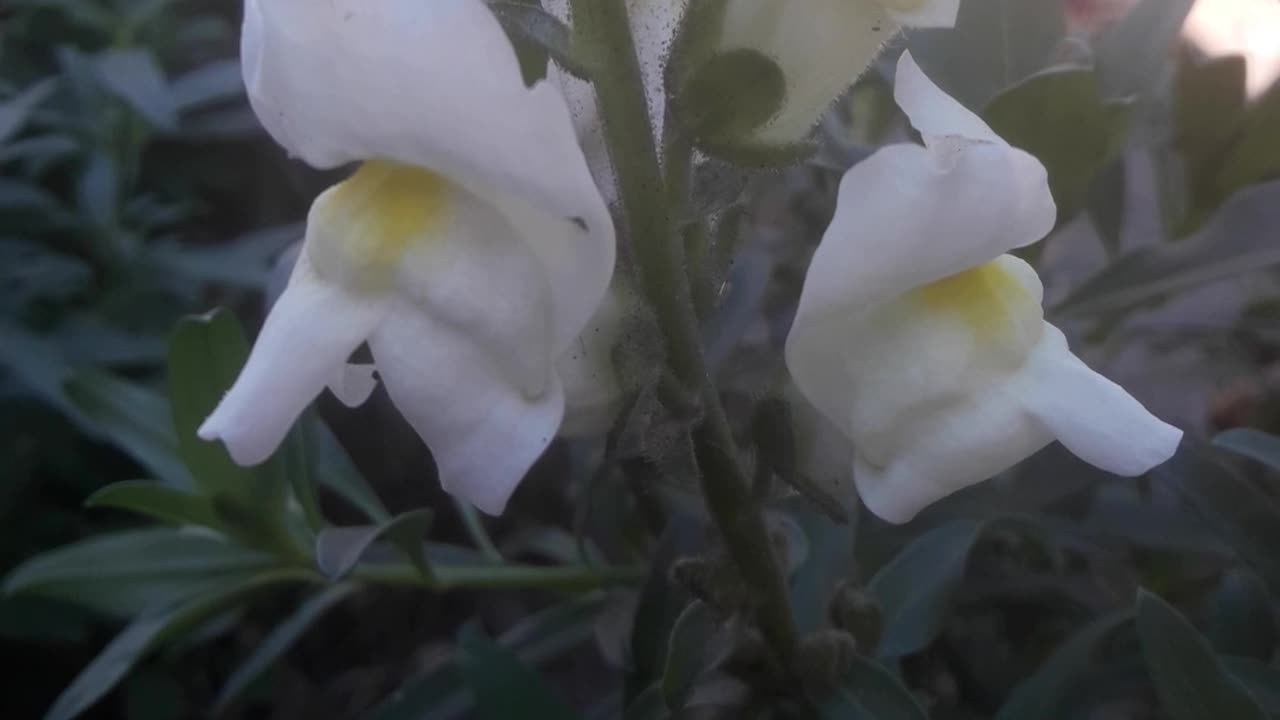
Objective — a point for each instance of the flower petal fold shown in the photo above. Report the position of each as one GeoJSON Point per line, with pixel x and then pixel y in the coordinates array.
{"type": "Point", "coordinates": [484, 432]}
{"type": "Point", "coordinates": [1093, 417]}
{"type": "Point", "coordinates": [304, 345]}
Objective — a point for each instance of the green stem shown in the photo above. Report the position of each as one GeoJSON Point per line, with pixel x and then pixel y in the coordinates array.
{"type": "Point", "coordinates": [602, 28]}
{"type": "Point", "coordinates": [572, 577]}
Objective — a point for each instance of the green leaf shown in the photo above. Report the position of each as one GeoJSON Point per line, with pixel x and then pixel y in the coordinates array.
{"type": "Point", "coordinates": [121, 573]}
{"type": "Point", "coordinates": [870, 692]}
{"type": "Point", "coordinates": [829, 561]}
{"type": "Point", "coordinates": [333, 469]}
{"type": "Point", "coordinates": [15, 111]}
{"type": "Point", "coordinates": [1254, 444]}
{"type": "Point", "coordinates": [1261, 679]}
{"type": "Point", "coordinates": [687, 651]}
{"type": "Point", "coordinates": [211, 83]}
{"type": "Point", "coordinates": [648, 705]}
{"type": "Point", "coordinates": [995, 44]}
{"type": "Point", "coordinates": [1190, 680]}
{"type": "Point", "coordinates": [661, 602]}
{"type": "Point", "coordinates": [540, 35]}
{"type": "Point", "coordinates": [134, 418]}
{"type": "Point", "coordinates": [915, 588]}
{"type": "Point", "coordinates": [1209, 102]}
{"type": "Point", "coordinates": [206, 353]}
{"type": "Point", "coordinates": [1225, 142]}
{"type": "Point", "coordinates": [1242, 619]}
{"type": "Point", "coordinates": [538, 637]}
{"type": "Point", "coordinates": [98, 190]}
{"type": "Point", "coordinates": [1132, 56]}
{"type": "Point", "coordinates": [144, 634]}
{"type": "Point", "coordinates": [1044, 693]}
{"type": "Point", "coordinates": [1059, 117]}
{"type": "Point", "coordinates": [338, 550]}
{"type": "Point", "coordinates": [1107, 205]}
{"type": "Point", "coordinates": [279, 641]}
{"type": "Point", "coordinates": [133, 75]}
{"type": "Point", "coordinates": [1255, 151]}
{"type": "Point", "coordinates": [1230, 244]}
{"type": "Point", "coordinates": [129, 416]}
{"type": "Point", "coordinates": [502, 686]}
{"type": "Point", "coordinates": [162, 503]}
{"type": "Point", "coordinates": [1229, 504]}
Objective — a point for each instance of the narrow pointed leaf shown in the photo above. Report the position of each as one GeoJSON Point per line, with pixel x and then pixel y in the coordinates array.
{"type": "Point", "coordinates": [687, 652]}
{"type": "Point", "coordinates": [503, 687]}
{"type": "Point", "coordinates": [206, 354]}
{"type": "Point", "coordinates": [132, 417]}
{"type": "Point", "coordinates": [156, 501]}
{"type": "Point", "coordinates": [915, 588]}
{"type": "Point", "coordinates": [279, 641]}
{"type": "Point", "coordinates": [1245, 518]}
{"type": "Point", "coordinates": [870, 692]}
{"type": "Point", "coordinates": [143, 635]}
{"type": "Point", "coordinates": [133, 75]}
{"type": "Point", "coordinates": [122, 573]}
{"type": "Point", "coordinates": [338, 550]}
{"type": "Point", "coordinates": [1242, 616]}
{"type": "Point", "coordinates": [1255, 444]}
{"type": "Point", "coordinates": [1190, 680]}
{"type": "Point", "coordinates": [539, 637]}
{"type": "Point", "coordinates": [1042, 694]}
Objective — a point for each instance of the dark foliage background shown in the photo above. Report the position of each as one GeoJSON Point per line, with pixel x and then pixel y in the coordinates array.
{"type": "Point", "coordinates": [136, 188]}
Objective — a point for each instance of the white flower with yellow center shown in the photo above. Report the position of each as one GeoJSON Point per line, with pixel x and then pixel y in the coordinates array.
{"type": "Point", "coordinates": [468, 249]}
{"type": "Point", "coordinates": [926, 344]}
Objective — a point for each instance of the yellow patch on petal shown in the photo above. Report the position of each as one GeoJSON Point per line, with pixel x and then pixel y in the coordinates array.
{"type": "Point", "coordinates": [359, 229]}
{"type": "Point", "coordinates": [991, 301]}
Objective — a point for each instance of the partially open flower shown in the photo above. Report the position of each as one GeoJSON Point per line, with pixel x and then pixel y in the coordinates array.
{"type": "Point", "coordinates": [821, 47]}
{"type": "Point", "coordinates": [926, 344]}
{"type": "Point", "coordinates": [469, 249]}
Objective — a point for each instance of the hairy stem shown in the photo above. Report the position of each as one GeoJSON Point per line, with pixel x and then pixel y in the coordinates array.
{"type": "Point", "coordinates": [602, 29]}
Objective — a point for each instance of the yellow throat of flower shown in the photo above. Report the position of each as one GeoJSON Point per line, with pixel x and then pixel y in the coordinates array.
{"type": "Point", "coordinates": [360, 228]}
{"type": "Point", "coordinates": [990, 300]}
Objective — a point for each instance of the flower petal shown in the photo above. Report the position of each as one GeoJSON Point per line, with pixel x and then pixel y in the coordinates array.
{"type": "Point", "coordinates": [821, 50]}
{"type": "Point", "coordinates": [934, 113]}
{"type": "Point", "coordinates": [303, 346]}
{"type": "Point", "coordinates": [354, 384]}
{"type": "Point", "coordinates": [1093, 417]}
{"type": "Point", "coordinates": [924, 13]}
{"type": "Point", "coordinates": [949, 450]}
{"type": "Point", "coordinates": [431, 84]}
{"type": "Point", "coordinates": [903, 221]}
{"type": "Point", "coordinates": [483, 431]}
{"type": "Point", "coordinates": [593, 395]}
{"type": "Point", "coordinates": [474, 272]}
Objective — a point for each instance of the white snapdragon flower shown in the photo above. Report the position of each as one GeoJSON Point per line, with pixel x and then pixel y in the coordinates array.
{"type": "Point", "coordinates": [926, 344]}
{"type": "Point", "coordinates": [468, 249]}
